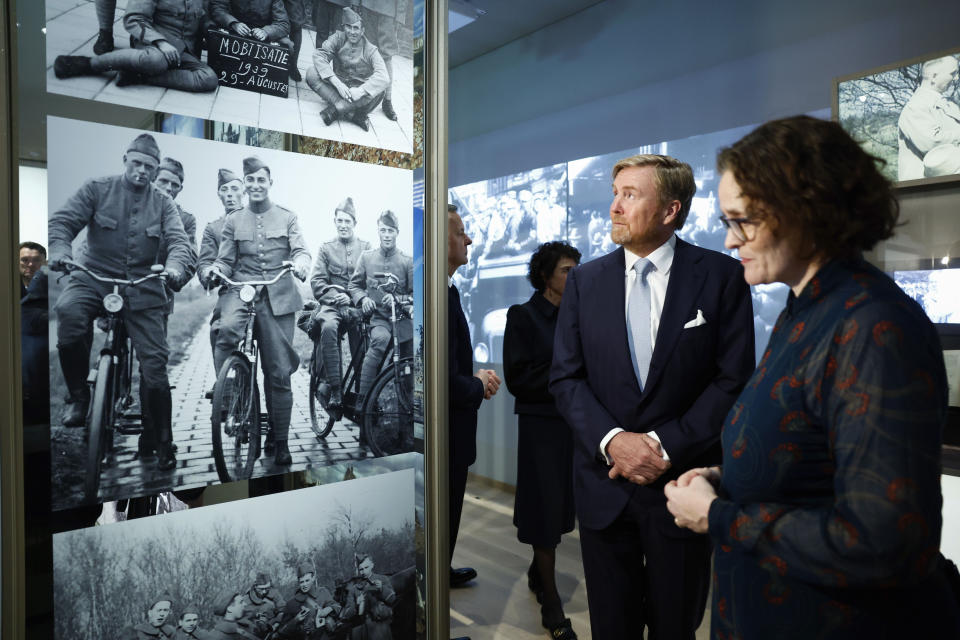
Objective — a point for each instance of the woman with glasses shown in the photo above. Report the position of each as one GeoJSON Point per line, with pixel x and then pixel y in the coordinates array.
{"type": "Point", "coordinates": [825, 515]}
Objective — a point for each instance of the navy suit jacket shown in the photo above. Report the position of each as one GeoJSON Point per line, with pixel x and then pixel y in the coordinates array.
{"type": "Point", "coordinates": [695, 373]}
{"type": "Point", "coordinates": [465, 391]}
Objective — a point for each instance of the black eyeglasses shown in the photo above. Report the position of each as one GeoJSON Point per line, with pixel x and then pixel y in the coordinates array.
{"type": "Point", "coordinates": [739, 227]}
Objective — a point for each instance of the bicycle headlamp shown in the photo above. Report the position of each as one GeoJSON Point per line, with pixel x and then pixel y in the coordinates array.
{"type": "Point", "coordinates": [113, 302]}
{"type": "Point", "coordinates": [247, 293]}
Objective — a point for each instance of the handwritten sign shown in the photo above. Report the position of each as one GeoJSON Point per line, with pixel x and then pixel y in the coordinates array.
{"type": "Point", "coordinates": [248, 64]}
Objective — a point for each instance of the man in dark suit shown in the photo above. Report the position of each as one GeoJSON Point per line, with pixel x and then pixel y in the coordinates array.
{"type": "Point", "coordinates": [466, 389]}
{"type": "Point", "coordinates": [653, 344]}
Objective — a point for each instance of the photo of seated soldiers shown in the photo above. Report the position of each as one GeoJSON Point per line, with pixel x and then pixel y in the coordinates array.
{"type": "Point", "coordinates": [155, 627]}
{"type": "Point", "coordinates": [253, 246]}
{"type": "Point", "coordinates": [335, 263]}
{"type": "Point", "coordinates": [188, 627]}
{"type": "Point", "coordinates": [263, 20]}
{"type": "Point", "coordinates": [230, 192]}
{"type": "Point", "coordinates": [262, 603]}
{"type": "Point", "coordinates": [365, 293]}
{"type": "Point", "coordinates": [165, 48]}
{"type": "Point", "coordinates": [348, 73]}
{"type": "Point", "coordinates": [380, 21]}
{"type": "Point", "coordinates": [229, 606]}
{"type": "Point", "coordinates": [311, 612]}
{"type": "Point", "coordinates": [369, 605]}
{"type": "Point", "coordinates": [130, 225]}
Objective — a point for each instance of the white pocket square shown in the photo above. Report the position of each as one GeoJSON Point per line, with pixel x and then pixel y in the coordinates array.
{"type": "Point", "coordinates": [696, 322]}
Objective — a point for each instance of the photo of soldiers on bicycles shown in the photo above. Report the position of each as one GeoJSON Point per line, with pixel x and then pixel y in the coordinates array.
{"type": "Point", "coordinates": [150, 396]}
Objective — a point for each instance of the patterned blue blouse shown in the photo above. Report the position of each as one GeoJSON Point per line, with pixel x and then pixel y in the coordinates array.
{"type": "Point", "coordinates": [828, 520]}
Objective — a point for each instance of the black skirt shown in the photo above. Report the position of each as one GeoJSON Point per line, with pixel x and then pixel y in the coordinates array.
{"type": "Point", "coordinates": [543, 509]}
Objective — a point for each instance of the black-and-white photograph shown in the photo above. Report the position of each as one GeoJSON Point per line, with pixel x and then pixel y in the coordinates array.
{"type": "Point", "coordinates": [935, 290]}
{"type": "Point", "coordinates": [908, 115]}
{"type": "Point", "coordinates": [328, 69]}
{"type": "Point", "coordinates": [329, 562]}
{"type": "Point", "coordinates": [221, 312]}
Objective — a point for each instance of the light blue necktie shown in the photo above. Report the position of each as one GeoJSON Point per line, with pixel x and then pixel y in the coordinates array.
{"type": "Point", "coordinates": [638, 317]}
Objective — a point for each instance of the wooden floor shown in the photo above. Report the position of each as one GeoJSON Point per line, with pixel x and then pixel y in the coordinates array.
{"type": "Point", "coordinates": [498, 604]}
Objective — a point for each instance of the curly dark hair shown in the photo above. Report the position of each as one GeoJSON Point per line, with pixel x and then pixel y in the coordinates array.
{"type": "Point", "coordinates": [810, 175]}
{"type": "Point", "coordinates": [544, 260]}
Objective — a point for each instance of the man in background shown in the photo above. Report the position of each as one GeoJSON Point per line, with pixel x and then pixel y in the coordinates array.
{"type": "Point", "coordinates": [155, 627]}
{"type": "Point", "coordinates": [929, 125]}
{"type": "Point", "coordinates": [466, 390]}
{"type": "Point", "coordinates": [188, 627]}
{"type": "Point", "coordinates": [34, 333]}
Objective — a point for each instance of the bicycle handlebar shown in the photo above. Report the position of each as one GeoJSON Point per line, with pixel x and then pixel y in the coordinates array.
{"type": "Point", "coordinates": [284, 270]}
{"type": "Point", "coordinates": [70, 265]}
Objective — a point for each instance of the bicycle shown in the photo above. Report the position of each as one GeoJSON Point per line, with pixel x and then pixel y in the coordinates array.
{"type": "Point", "coordinates": [236, 395]}
{"type": "Point", "coordinates": [111, 377]}
{"type": "Point", "coordinates": [385, 416]}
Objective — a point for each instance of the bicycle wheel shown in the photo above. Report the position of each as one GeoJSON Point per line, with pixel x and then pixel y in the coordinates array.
{"type": "Point", "coordinates": [320, 420]}
{"type": "Point", "coordinates": [235, 421]}
{"type": "Point", "coordinates": [388, 412]}
{"type": "Point", "coordinates": [101, 417]}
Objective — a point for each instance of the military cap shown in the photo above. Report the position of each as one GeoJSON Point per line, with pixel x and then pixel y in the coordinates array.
{"type": "Point", "coordinates": [224, 599]}
{"type": "Point", "coordinates": [163, 597]}
{"type": "Point", "coordinates": [347, 207]}
{"type": "Point", "coordinates": [389, 218]}
{"type": "Point", "coordinates": [173, 166]}
{"type": "Point", "coordinates": [350, 16]}
{"type": "Point", "coordinates": [253, 164]}
{"type": "Point", "coordinates": [262, 578]}
{"type": "Point", "coordinates": [224, 176]}
{"type": "Point", "coordinates": [190, 608]}
{"type": "Point", "coordinates": [304, 568]}
{"type": "Point", "coordinates": [145, 144]}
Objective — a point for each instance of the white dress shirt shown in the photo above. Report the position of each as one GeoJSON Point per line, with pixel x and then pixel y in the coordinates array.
{"type": "Point", "coordinates": [657, 280]}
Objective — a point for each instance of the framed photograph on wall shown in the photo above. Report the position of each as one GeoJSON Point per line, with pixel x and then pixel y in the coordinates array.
{"type": "Point", "coordinates": [908, 115]}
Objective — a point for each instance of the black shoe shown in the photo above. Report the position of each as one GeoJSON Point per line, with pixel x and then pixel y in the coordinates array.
{"type": "Point", "coordinates": [533, 582]}
{"type": "Point", "coordinates": [269, 444]}
{"type": "Point", "coordinates": [104, 43]}
{"type": "Point", "coordinates": [461, 576]}
{"type": "Point", "coordinates": [563, 630]}
{"type": "Point", "coordinates": [71, 66]}
{"type": "Point", "coordinates": [128, 78]}
{"type": "Point", "coordinates": [282, 456]}
{"type": "Point", "coordinates": [387, 107]}
{"type": "Point", "coordinates": [329, 116]}
{"type": "Point", "coordinates": [75, 413]}
{"type": "Point", "coordinates": [361, 121]}
{"type": "Point", "coordinates": [165, 458]}
{"type": "Point", "coordinates": [146, 448]}
{"type": "Point", "coordinates": [295, 75]}
{"type": "Point", "coordinates": [209, 394]}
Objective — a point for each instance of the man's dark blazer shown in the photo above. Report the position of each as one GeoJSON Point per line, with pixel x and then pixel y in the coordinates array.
{"type": "Point", "coordinates": [465, 391]}
{"type": "Point", "coordinates": [695, 373]}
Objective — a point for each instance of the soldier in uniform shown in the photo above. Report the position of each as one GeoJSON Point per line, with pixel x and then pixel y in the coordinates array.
{"type": "Point", "coordinates": [255, 242]}
{"type": "Point", "coordinates": [229, 605]}
{"type": "Point", "coordinates": [262, 603]}
{"type": "Point", "coordinates": [230, 192]}
{"type": "Point", "coordinates": [348, 73]}
{"type": "Point", "coordinates": [188, 628]}
{"type": "Point", "coordinates": [370, 600]}
{"type": "Point", "coordinates": [311, 612]}
{"type": "Point", "coordinates": [129, 223]}
{"type": "Point", "coordinates": [165, 37]}
{"type": "Point", "coordinates": [335, 263]}
{"type": "Point", "coordinates": [387, 258]}
{"type": "Point", "coordinates": [297, 14]}
{"type": "Point", "coordinates": [264, 20]}
{"type": "Point", "coordinates": [155, 627]}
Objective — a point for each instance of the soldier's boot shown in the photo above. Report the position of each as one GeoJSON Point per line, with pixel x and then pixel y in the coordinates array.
{"type": "Point", "coordinates": [360, 119]}
{"type": "Point", "coordinates": [104, 43]}
{"type": "Point", "coordinates": [161, 405]}
{"type": "Point", "coordinates": [72, 66]}
{"type": "Point", "coordinates": [147, 442]}
{"type": "Point", "coordinates": [281, 408]}
{"type": "Point", "coordinates": [297, 43]}
{"type": "Point", "coordinates": [335, 404]}
{"type": "Point", "coordinates": [282, 457]}
{"type": "Point", "coordinates": [270, 442]}
{"type": "Point", "coordinates": [387, 107]}
{"type": "Point", "coordinates": [75, 363]}
{"type": "Point", "coordinates": [129, 78]}
{"type": "Point", "coordinates": [329, 115]}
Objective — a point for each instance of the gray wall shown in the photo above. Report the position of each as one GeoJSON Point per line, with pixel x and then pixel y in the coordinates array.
{"type": "Point", "coordinates": [625, 73]}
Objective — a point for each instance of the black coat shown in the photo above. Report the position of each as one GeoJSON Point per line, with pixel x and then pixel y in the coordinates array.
{"type": "Point", "coordinates": [465, 391]}
{"type": "Point", "coordinates": [528, 354]}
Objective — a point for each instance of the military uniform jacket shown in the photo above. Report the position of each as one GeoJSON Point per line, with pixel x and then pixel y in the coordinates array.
{"type": "Point", "coordinates": [225, 630]}
{"type": "Point", "coordinates": [198, 634]}
{"type": "Point", "coordinates": [320, 597]}
{"type": "Point", "coordinates": [359, 65]}
{"type": "Point", "coordinates": [146, 631]}
{"type": "Point", "coordinates": [210, 245]}
{"type": "Point", "coordinates": [363, 284]}
{"type": "Point", "coordinates": [252, 247]}
{"type": "Point", "coordinates": [334, 266]}
{"type": "Point", "coordinates": [378, 607]}
{"type": "Point", "coordinates": [127, 231]}
{"type": "Point", "coordinates": [270, 607]}
{"type": "Point", "coordinates": [179, 22]}
{"type": "Point", "coordinates": [928, 120]}
{"type": "Point", "coordinates": [269, 15]}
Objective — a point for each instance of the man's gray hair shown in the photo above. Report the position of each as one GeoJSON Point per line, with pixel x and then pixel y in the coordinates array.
{"type": "Point", "coordinates": [673, 178]}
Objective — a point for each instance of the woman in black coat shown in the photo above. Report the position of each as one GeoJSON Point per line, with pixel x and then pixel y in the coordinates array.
{"type": "Point", "coordinates": [544, 502]}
